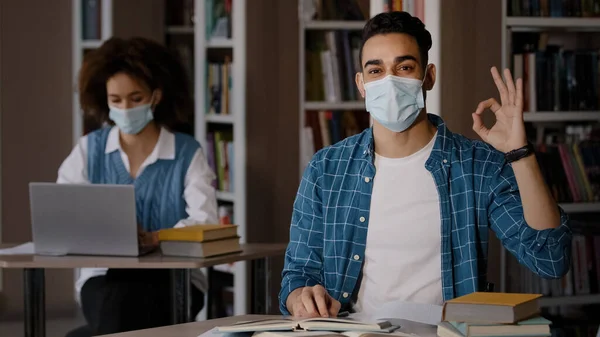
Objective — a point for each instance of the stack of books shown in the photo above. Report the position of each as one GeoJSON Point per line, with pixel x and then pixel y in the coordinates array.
{"type": "Point", "coordinates": [199, 240]}
{"type": "Point", "coordinates": [486, 314]}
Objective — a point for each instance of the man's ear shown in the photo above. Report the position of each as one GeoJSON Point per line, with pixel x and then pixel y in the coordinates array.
{"type": "Point", "coordinates": [429, 80]}
{"type": "Point", "coordinates": [360, 83]}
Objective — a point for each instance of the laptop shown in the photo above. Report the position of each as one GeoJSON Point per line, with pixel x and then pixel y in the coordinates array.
{"type": "Point", "coordinates": [83, 219]}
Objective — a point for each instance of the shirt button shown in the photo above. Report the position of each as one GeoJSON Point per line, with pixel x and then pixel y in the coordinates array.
{"type": "Point", "coordinates": [367, 179]}
{"type": "Point", "coordinates": [356, 257]}
{"type": "Point", "coordinates": [445, 161]}
{"type": "Point", "coordinates": [362, 219]}
{"type": "Point", "coordinates": [345, 295]}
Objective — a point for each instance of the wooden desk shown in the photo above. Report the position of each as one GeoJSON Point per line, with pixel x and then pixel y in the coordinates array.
{"type": "Point", "coordinates": [197, 328]}
{"type": "Point", "coordinates": [34, 266]}
{"type": "Point", "coordinates": [188, 330]}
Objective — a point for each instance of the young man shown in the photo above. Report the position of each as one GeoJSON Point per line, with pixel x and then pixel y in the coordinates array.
{"type": "Point", "coordinates": [402, 211]}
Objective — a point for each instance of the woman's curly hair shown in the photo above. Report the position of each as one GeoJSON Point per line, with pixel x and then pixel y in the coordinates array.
{"type": "Point", "coordinates": [148, 62]}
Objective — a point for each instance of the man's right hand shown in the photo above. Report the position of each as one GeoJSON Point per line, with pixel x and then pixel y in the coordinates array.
{"type": "Point", "coordinates": [312, 302]}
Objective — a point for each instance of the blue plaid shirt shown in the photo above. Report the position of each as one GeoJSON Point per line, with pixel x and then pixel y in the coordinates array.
{"type": "Point", "coordinates": [477, 191]}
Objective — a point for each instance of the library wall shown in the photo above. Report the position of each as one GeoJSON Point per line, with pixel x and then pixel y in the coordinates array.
{"type": "Point", "coordinates": [271, 124]}
{"type": "Point", "coordinates": [36, 127]}
{"type": "Point", "coordinates": [471, 45]}
{"type": "Point", "coordinates": [147, 22]}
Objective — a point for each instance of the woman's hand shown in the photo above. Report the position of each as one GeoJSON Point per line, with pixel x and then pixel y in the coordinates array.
{"type": "Point", "coordinates": [147, 239]}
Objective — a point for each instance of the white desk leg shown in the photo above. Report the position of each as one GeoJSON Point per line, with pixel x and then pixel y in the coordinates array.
{"type": "Point", "coordinates": [35, 302]}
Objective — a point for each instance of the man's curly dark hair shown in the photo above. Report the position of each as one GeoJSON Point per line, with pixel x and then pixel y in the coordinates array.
{"type": "Point", "coordinates": [150, 63]}
{"type": "Point", "coordinates": [398, 22]}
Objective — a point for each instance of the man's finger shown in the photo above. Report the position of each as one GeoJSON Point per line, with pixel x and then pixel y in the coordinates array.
{"type": "Point", "coordinates": [309, 303]}
{"type": "Point", "coordinates": [334, 307]}
{"type": "Point", "coordinates": [512, 91]}
{"type": "Point", "coordinates": [500, 85]}
{"type": "Point", "coordinates": [519, 98]}
{"type": "Point", "coordinates": [490, 103]}
{"type": "Point", "coordinates": [321, 302]}
{"type": "Point", "coordinates": [479, 127]}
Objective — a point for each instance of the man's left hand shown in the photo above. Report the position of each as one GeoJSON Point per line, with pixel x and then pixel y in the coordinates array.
{"type": "Point", "coordinates": [508, 133]}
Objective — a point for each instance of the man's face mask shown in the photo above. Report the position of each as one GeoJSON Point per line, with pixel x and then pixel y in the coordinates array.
{"type": "Point", "coordinates": [395, 102]}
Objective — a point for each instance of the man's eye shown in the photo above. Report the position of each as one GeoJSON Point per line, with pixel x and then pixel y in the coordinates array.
{"type": "Point", "coordinates": [137, 99]}
{"type": "Point", "coordinates": [373, 71]}
{"type": "Point", "coordinates": [405, 68]}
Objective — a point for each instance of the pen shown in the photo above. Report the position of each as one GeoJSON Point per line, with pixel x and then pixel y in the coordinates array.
{"type": "Point", "coordinates": [343, 314]}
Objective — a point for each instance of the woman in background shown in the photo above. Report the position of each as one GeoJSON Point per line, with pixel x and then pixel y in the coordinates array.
{"type": "Point", "coordinates": [136, 94]}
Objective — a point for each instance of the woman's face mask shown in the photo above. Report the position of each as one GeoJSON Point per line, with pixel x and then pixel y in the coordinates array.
{"type": "Point", "coordinates": [132, 121]}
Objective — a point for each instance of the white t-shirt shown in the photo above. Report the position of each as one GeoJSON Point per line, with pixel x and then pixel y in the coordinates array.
{"type": "Point", "coordinates": [199, 194]}
{"type": "Point", "coordinates": [403, 251]}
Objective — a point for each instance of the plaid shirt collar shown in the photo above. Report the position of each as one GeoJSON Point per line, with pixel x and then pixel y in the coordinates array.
{"type": "Point", "coordinates": [441, 148]}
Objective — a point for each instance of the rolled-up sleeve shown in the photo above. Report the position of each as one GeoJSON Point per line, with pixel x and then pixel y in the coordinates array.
{"type": "Point", "coordinates": [545, 252]}
{"type": "Point", "coordinates": [303, 259]}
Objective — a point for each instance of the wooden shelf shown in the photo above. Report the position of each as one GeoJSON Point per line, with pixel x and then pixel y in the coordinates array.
{"type": "Point", "coordinates": [219, 43]}
{"type": "Point", "coordinates": [221, 119]}
{"type": "Point", "coordinates": [562, 116]}
{"type": "Point", "coordinates": [548, 22]}
{"type": "Point", "coordinates": [356, 105]}
{"type": "Point", "coordinates": [569, 300]}
{"type": "Point", "coordinates": [333, 25]}
{"type": "Point", "coordinates": [91, 44]}
{"type": "Point", "coordinates": [225, 196]}
{"type": "Point", "coordinates": [180, 29]}
{"type": "Point", "coordinates": [581, 207]}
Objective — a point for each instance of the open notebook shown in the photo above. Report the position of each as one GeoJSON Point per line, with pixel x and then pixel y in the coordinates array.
{"type": "Point", "coordinates": [309, 324]}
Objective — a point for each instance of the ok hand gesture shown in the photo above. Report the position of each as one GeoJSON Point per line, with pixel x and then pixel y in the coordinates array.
{"type": "Point", "coordinates": [508, 133]}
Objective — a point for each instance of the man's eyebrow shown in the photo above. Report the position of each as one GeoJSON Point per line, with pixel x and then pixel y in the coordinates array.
{"type": "Point", "coordinates": [397, 59]}
{"type": "Point", "coordinates": [373, 63]}
{"type": "Point", "coordinates": [400, 59]}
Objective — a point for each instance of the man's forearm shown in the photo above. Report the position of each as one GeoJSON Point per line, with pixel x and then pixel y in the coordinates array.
{"type": "Point", "coordinates": [539, 207]}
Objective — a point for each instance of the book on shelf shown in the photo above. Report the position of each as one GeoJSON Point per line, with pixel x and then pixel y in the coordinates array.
{"type": "Point", "coordinates": [343, 10]}
{"type": "Point", "coordinates": [219, 84]}
{"type": "Point", "coordinates": [332, 62]}
{"type": "Point", "coordinates": [218, 19]}
{"type": "Point", "coordinates": [220, 154]}
{"type": "Point", "coordinates": [553, 8]}
{"type": "Point", "coordinates": [556, 78]}
{"type": "Point", "coordinates": [570, 163]}
{"type": "Point", "coordinates": [329, 127]}
{"type": "Point", "coordinates": [414, 7]}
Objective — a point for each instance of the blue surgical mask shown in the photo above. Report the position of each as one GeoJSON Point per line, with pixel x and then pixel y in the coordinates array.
{"type": "Point", "coordinates": [131, 121]}
{"type": "Point", "coordinates": [394, 102]}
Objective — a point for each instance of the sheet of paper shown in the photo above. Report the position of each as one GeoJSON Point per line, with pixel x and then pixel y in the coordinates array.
{"type": "Point", "coordinates": [215, 333]}
{"type": "Point", "coordinates": [24, 249]}
{"type": "Point", "coordinates": [415, 312]}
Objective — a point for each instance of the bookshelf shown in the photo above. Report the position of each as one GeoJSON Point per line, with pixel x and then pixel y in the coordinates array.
{"type": "Point", "coordinates": [573, 31]}
{"type": "Point", "coordinates": [211, 56]}
{"type": "Point", "coordinates": [326, 36]}
{"type": "Point", "coordinates": [92, 25]}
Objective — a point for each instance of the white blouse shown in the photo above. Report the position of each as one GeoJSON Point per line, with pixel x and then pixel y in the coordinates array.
{"type": "Point", "coordinates": [199, 194]}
